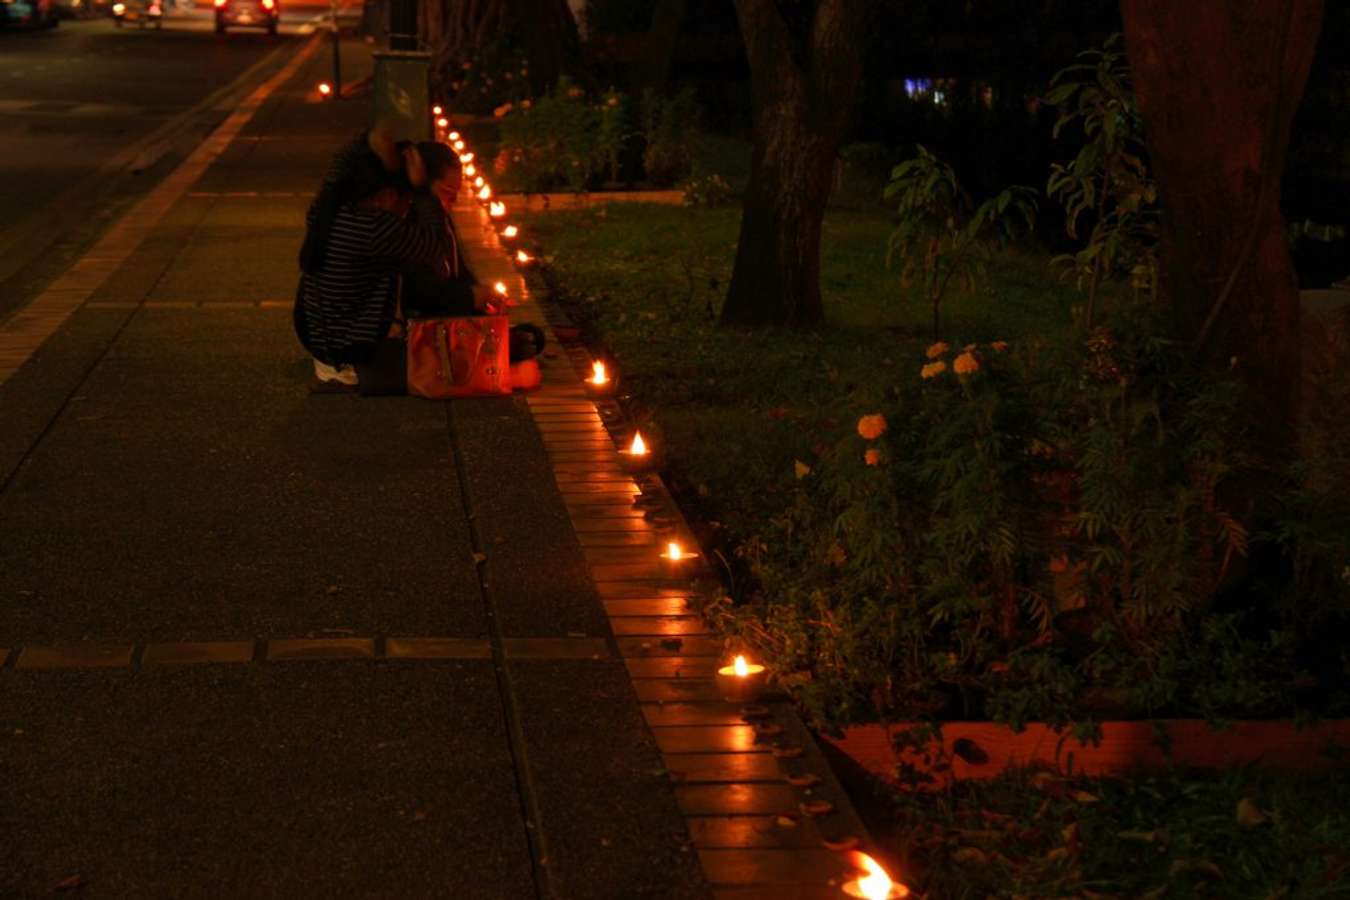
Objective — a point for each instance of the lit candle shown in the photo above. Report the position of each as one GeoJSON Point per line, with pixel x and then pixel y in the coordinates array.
{"type": "Point", "coordinates": [454, 136]}
{"type": "Point", "coordinates": [497, 209]}
{"type": "Point", "coordinates": [741, 682]}
{"type": "Point", "coordinates": [521, 256]}
{"type": "Point", "coordinates": [325, 88]}
{"type": "Point", "coordinates": [466, 157]}
{"type": "Point", "coordinates": [500, 288]}
{"type": "Point", "coordinates": [470, 170]}
{"type": "Point", "coordinates": [874, 883]}
{"type": "Point", "coordinates": [458, 145]}
{"type": "Point", "coordinates": [442, 122]}
{"type": "Point", "coordinates": [436, 110]}
{"type": "Point", "coordinates": [636, 457]}
{"type": "Point", "coordinates": [510, 232]}
{"type": "Point", "coordinates": [599, 384]}
{"type": "Point", "coordinates": [484, 193]}
{"type": "Point", "coordinates": [478, 182]}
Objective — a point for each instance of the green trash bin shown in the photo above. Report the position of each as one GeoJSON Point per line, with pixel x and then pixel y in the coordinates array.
{"type": "Point", "coordinates": [402, 95]}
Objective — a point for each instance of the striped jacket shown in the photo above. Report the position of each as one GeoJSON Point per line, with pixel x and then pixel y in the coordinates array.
{"type": "Point", "coordinates": [346, 301]}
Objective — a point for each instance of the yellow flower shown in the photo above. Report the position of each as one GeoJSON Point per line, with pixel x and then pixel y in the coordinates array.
{"type": "Point", "coordinates": [1000, 346]}
{"type": "Point", "coordinates": [872, 457]}
{"type": "Point", "coordinates": [933, 369]}
{"type": "Point", "coordinates": [966, 364]}
{"type": "Point", "coordinates": [938, 349]}
{"type": "Point", "coordinates": [872, 427]}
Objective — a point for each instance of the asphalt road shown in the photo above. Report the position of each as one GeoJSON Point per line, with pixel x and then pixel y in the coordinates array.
{"type": "Point", "coordinates": [92, 116]}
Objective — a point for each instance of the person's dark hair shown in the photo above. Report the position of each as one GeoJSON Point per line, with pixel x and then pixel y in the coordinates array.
{"type": "Point", "coordinates": [439, 159]}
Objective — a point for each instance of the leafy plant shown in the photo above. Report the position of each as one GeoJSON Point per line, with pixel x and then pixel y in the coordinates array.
{"type": "Point", "coordinates": [709, 191]}
{"type": "Point", "coordinates": [1108, 183]}
{"type": "Point", "coordinates": [671, 127]}
{"type": "Point", "coordinates": [555, 140]}
{"type": "Point", "coordinates": [941, 235]}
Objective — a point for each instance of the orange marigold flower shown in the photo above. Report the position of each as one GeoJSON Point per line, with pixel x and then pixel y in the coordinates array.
{"type": "Point", "coordinates": [933, 369]}
{"type": "Point", "coordinates": [938, 349]}
{"type": "Point", "coordinates": [966, 364]}
{"type": "Point", "coordinates": [872, 427]}
{"type": "Point", "coordinates": [872, 457]}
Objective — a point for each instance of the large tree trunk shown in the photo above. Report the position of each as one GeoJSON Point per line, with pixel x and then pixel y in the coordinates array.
{"type": "Point", "coordinates": [804, 79]}
{"type": "Point", "coordinates": [1218, 82]}
{"type": "Point", "coordinates": [543, 30]}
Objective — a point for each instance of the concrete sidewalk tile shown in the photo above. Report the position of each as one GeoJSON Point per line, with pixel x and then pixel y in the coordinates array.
{"type": "Point", "coordinates": [676, 690]}
{"type": "Point", "coordinates": [723, 768]}
{"type": "Point", "coordinates": [674, 714]}
{"type": "Point", "coordinates": [775, 866]}
{"type": "Point", "coordinates": [651, 541]}
{"type": "Point", "coordinates": [606, 489]}
{"type": "Point", "coordinates": [186, 653]}
{"type": "Point", "coordinates": [736, 799]}
{"type": "Point", "coordinates": [612, 475]}
{"type": "Point", "coordinates": [629, 525]}
{"type": "Point", "coordinates": [75, 656]}
{"type": "Point", "coordinates": [555, 648]}
{"type": "Point", "coordinates": [648, 606]}
{"type": "Point", "coordinates": [320, 648]}
{"type": "Point", "coordinates": [437, 648]}
{"type": "Point", "coordinates": [708, 739]}
{"type": "Point", "coordinates": [661, 625]}
{"type": "Point", "coordinates": [778, 892]}
{"type": "Point", "coordinates": [623, 590]}
{"type": "Point", "coordinates": [740, 832]}
{"type": "Point", "coordinates": [695, 645]}
{"type": "Point", "coordinates": [672, 666]}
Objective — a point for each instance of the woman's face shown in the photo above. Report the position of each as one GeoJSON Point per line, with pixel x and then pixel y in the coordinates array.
{"type": "Point", "coordinates": [447, 187]}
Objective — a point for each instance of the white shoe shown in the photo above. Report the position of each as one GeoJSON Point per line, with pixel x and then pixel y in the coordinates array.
{"type": "Point", "coordinates": [339, 374]}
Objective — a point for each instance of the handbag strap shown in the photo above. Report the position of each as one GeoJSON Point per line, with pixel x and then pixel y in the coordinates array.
{"type": "Point", "coordinates": [443, 351]}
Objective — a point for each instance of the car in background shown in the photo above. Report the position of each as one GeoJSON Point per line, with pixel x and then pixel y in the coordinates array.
{"type": "Point", "coordinates": [248, 13]}
{"type": "Point", "coordinates": [33, 13]}
{"type": "Point", "coordinates": [141, 12]}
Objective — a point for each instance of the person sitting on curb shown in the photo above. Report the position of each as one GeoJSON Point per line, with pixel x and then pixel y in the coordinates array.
{"type": "Point", "coordinates": [369, 223]}
{"type": "Point", "coordinates": [427, 292]}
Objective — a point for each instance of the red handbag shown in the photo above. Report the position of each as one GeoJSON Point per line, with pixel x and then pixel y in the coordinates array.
{"type": "Point", "coordinates": [459, 357]}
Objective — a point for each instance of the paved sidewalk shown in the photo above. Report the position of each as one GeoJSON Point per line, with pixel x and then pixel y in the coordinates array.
{"type": "Point", "coordinates": [257, 642]}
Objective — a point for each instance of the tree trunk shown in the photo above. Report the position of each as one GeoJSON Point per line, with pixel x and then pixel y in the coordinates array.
{"type": "Point", "coordinates": [804, 81]}
{"type": "Point", "coordinates": [544, 31]}
{"type": "Point", "coordinates": [1218, 82]}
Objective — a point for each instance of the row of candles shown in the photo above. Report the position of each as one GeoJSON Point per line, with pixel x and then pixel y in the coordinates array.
{"type": "Point", "coordinates": [740, 681]}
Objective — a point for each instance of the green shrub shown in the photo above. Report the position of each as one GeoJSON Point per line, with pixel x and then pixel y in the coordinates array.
{"type": "Point", "coordinates": [709, 191]}
{"type": "Point", "coordinates": [1038, 532]}
{"type": "Point", "coordinates": [671, 128]}
{"type": "Point", "coordinates": [554, 141]}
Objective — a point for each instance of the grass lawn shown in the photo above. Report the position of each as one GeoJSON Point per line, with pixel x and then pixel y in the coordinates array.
{"type": "Point", "coordinates": [735, 408]}
{"type": "Point", "coordinates": [1233, 835]}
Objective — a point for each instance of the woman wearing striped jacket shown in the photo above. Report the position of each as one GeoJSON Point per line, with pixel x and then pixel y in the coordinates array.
{"type": "Point", "coordinates": [367, 225]}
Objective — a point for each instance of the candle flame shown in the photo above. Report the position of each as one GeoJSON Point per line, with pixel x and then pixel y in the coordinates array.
{"type": "Point", "coordinates": [673, 551]}
{"type": "Point", "coordinates": [485, 193]}
{"type": "Point", "coordinates": [470, 170]}
{"type": "Point", "coordinates": [442, 122]}
{"type": "Point", "coordinates": [436, 110]}
{"type": "Point", "coordinates": [497, 210]}
{"type": "Point", "coordinates": [511, 231]}
{"type": "Point", "coordinates": [458, 145]}
{"type": "Point", "coordinates": [466, 158]}
{"type": "Point", "coordinates": [876, 884]}
{"type": "Point", "coordinates": [639, 446]}
{"type": "Point", "coordinates": [521, 255]}
{"type": "Point", "coordinates": [325, 88]}
{"type": "Point", "coordinates": [598, 375]}
{"type": "Point", "coordinates": [454, 135]}
{"type": "Point", "coordinates": [742, 669]}
{"type": "Point", "coordinates": [478, 182]}
{"type": "Point", "coordinates": [500, 287]}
